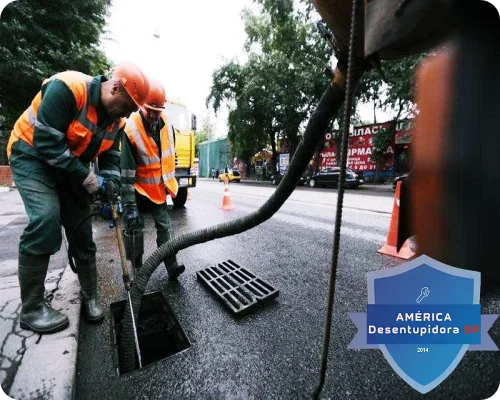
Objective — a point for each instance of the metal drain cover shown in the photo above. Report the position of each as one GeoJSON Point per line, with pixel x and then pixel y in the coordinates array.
{"type": "Point", "coordinates": [238, 289]}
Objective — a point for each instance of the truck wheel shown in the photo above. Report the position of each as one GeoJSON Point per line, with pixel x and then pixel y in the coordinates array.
{"type": "Point", "coordinates": [181, 197]}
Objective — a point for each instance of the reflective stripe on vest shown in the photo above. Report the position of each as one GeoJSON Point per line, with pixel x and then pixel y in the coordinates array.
{"type": "Point", "coordinates": [154, 173]}
{"type": "Point", "coordinates": [82, 128]}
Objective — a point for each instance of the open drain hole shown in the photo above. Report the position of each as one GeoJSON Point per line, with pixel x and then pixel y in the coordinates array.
{"type": "Point", "coordinates": [159, 332]}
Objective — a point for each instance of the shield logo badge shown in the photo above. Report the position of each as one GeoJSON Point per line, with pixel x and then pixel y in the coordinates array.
{"type": "Point", "coordinates": [415, 299]}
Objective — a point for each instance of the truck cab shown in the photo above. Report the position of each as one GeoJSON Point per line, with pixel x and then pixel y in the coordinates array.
{"type": "Point", "coordinates": [183, 133]}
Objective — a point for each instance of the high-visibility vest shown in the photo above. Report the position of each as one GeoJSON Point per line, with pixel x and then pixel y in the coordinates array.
{"type": "Point", "coordinates": [84, 125]}
{"type": "Point", "coordinates": [154, 171]}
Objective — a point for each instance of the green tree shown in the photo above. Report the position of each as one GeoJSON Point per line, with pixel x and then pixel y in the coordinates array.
{"type": "Point", "coordinates": [39, 38]}
{"type": "Point", "coordinates": [391, 90]}
{"type": "Point", "coordinates": [250, 119]}
{"type": "Point", "coordinates": [274, 92]}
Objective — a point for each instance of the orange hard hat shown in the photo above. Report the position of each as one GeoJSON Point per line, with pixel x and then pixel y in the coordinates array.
{"type": "Point", "coordinates": [133, 80]}
{"type": "Point", "coordinates": [156, 97]}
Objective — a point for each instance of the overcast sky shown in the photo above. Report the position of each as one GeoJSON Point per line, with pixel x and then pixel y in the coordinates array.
{"type": "Point", "coordinates": [195, 38]}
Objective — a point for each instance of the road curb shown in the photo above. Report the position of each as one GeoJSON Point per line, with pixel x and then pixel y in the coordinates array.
{"type": "Point", "coordinates": [48, 367]}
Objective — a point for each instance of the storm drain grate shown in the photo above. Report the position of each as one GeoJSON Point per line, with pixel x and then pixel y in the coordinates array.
{"type": "Point", "coordinates": [238, 289]}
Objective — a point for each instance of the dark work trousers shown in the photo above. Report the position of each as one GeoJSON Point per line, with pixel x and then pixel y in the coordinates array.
{"type": "Point", "coordinates": [159, 212]}
{"type": "Point", "coordinates": [49, 206]}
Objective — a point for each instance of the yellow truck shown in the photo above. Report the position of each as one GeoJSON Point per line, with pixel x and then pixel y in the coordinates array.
{"type": "Point", "coordinates": [183, 132]}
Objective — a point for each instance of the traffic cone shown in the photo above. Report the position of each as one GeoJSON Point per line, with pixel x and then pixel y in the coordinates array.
{"type": "Point", "coordinates": [189, 194]}
{"type": "Point", "coordinates": [226, 201]}
{"type": "Point", "coordinates": [390, 246]}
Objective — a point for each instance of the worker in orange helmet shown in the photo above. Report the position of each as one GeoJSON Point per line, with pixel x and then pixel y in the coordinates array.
{"type": "Point", "coordinates": [148, 174]}
{"type": "Point", "coordinates": [73, 120]}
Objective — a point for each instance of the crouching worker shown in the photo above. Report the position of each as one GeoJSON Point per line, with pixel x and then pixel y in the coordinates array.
{"type": "Point", "coordinates": [147, 173]}
{"type": "Point", "coordinates": [74, 119]}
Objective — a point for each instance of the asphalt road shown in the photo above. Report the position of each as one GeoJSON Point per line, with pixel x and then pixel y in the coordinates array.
{"type": "Point", "coordinates": [274, 352]}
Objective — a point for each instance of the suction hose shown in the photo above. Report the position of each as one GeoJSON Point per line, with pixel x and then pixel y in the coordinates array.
{"type": "Point", "coordinates": [330, 103]}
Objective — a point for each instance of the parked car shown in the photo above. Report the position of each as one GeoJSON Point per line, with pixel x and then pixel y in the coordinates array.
{"type": "Point", "coordinates": [330, 177]}
{"type": "Point", "coordinates": [233, 175]}
{"type": "Point", "coordinates": [399, 178]}
{"type": "Point", "coordinates": [277, 177]}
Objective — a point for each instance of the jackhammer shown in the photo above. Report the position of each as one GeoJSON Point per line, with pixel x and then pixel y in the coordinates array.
{"type": "Point", "coordinates": [130, 243]}
{"type": "Point", "coordinates": [113, 198]}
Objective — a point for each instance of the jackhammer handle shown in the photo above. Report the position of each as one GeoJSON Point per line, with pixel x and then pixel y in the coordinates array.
{"type": "Point", "coordinates": [123, 258]}
{"type": "Point", "coordinates": [110, 191]}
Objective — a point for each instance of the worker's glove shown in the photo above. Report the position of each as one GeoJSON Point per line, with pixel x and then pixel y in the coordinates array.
{"type": "Point", "coordinates": [131, 217]}
{"type": "Point", "coordinates": [93, 183]}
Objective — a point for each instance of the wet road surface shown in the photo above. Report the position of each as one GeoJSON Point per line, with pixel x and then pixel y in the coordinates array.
{"type": "Point", "coordinates": [274, 352]}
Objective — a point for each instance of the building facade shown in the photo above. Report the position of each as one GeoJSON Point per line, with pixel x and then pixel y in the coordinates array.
{"type": "Point", "coordinates": [395, 161]}
{"type": "Point", "coordinates": [213, 154]}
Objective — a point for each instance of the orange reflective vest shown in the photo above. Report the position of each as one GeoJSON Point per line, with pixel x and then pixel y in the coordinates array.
{"type": "Point", "coordinates": [81, 129]}
{"type": "Point", "coordinates": [154, 172]}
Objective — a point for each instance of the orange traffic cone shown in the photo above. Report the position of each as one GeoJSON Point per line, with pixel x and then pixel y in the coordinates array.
{"type": "Point", "coordinates": [389, 247]}
{"type": "Point", "coordinates": [226, 201]}
{"type": "Point", "coordinates": [189, 194]}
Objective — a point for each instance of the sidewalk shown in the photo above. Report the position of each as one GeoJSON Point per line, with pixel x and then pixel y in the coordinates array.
{"type": "Point", "coordinates": [33, 365]}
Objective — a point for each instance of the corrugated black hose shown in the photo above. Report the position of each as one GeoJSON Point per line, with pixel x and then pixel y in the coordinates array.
{"type": "Point", "coordinates": [330, 103]}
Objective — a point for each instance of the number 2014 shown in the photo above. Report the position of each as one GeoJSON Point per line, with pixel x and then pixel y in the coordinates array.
{"type": "Point", "coordinates": [422, 349]}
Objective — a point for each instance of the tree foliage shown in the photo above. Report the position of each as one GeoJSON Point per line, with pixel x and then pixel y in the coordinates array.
{"type": "Point", "coordinates": [274, 92]}
{"type": "Point", "coordinates": [39, 38]}
{"type": "Point", "coordinates": [395, 89]}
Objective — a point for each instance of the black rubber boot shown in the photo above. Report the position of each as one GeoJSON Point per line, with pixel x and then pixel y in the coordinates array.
{"type": "Point", "coordinates": [87, 274]}
{"type": "Point", "coordinates": [36, 314]}
{"type": "Point", "coordinates": [174, 269]}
